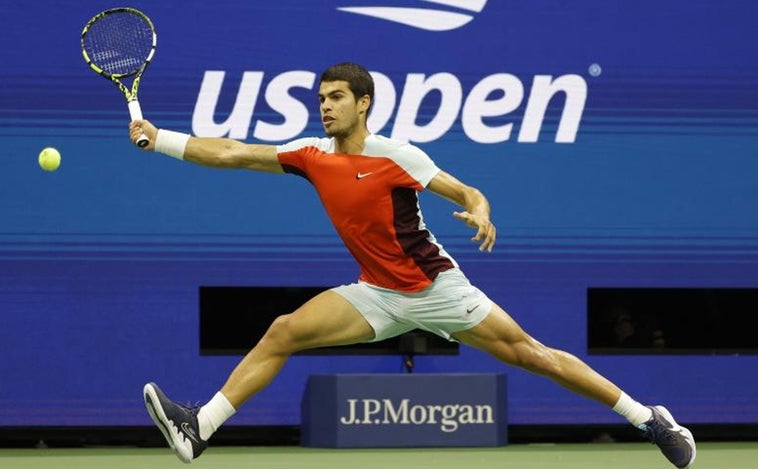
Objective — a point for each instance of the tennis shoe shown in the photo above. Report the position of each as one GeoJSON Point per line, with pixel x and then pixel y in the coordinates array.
{"type": "Point", "coordinates": [675, 441]}
{"type": "Point", "coordinates": [177, 423]}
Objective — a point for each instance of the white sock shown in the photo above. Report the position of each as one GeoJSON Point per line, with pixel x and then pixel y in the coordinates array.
{"type": "Point", "coordinates": [636, 413]}
{"type": "Point", "coordinates": [213, 414]}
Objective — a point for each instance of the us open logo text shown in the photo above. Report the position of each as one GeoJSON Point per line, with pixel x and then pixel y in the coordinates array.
{"type": "Point", "coordinates": [486, 113]}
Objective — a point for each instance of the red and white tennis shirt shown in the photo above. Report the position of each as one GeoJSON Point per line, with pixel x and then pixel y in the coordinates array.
{"type": "Point", "coordinates": [372, 200]}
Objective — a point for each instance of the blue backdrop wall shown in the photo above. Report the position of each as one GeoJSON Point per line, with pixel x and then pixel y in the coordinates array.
{"type": "Point", "coordinates": [616, 141]}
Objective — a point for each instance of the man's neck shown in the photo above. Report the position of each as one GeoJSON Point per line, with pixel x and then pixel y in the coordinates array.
{"type": "Point", "coordinates": [352, 144]}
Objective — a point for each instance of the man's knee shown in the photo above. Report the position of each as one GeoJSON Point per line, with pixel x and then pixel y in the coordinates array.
{"type": "Point", "coordinates": [535, 357]}
{"type": "Point", "coordinates": [282, 333]}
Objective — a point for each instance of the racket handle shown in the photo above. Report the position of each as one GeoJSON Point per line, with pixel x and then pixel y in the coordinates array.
{"type": "Point", "coordinates": [135, 111]}
{"type": "Point", "coordinates": [142, 141]}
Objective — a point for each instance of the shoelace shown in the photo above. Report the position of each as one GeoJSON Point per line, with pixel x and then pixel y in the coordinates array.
{"type": "Point", "coordinates": [193, 409]}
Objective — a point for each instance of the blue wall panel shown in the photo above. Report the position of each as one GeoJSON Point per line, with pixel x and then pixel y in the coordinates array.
{"type": "Point", "coordinates": [100, 262]}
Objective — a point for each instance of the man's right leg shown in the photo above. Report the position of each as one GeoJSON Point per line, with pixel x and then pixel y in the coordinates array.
{"type": "Point", "coordinates": [325, 320]}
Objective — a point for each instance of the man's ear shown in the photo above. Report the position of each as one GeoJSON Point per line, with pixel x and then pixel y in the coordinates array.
{"type": "Point", "coordinates": [364, 103]}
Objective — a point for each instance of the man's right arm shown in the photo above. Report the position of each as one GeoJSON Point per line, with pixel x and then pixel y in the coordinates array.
{"type": "Point", "coordinates": [207, 151]}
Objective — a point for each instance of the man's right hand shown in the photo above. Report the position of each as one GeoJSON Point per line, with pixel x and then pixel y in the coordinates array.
{"type": "Point", "coordinates": [143, 127]}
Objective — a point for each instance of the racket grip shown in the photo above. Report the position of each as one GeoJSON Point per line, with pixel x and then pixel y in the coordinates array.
{"type": "Point", "coordinates": [135, 112]}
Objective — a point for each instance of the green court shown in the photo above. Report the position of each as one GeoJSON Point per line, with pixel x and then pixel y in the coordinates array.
{"type": "Point", "coordinates": [521, 456]}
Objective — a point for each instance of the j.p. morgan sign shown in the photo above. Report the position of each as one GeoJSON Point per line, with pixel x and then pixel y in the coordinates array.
{"type": "Point", "coordinates": [398, 410]}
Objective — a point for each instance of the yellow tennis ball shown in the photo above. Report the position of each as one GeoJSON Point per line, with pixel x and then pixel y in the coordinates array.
{"type": "Point", "coordinates": [49, 159]}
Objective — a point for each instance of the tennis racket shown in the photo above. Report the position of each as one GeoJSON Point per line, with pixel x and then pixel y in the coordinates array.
{"type": "Point", "coordinates": [117, 44]}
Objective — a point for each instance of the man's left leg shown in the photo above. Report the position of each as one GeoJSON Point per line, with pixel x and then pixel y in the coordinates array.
{"type": "Point", "coordinates": [500, 335]}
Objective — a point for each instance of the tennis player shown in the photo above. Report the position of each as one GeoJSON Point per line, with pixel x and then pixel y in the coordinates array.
{"type": "Point", "coordinates": [369, 187]}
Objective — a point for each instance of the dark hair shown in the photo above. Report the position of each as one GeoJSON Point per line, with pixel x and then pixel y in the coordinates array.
{"type": "Point", "coordinates": [358, 78]}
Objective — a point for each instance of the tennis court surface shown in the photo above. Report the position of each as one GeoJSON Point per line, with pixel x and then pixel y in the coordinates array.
{"type": "Point", "coordinates": [517, 456]}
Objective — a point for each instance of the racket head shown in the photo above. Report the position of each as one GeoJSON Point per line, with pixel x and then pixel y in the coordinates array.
{"type": "Point", "coordinates": [119, 42]}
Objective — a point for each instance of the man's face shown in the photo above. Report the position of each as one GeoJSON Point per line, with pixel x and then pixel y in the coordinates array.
{"type": "Point", "coordinates": [340, 113]}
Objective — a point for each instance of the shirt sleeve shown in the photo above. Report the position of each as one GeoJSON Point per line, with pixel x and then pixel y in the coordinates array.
{"type": "Point", "coordinates": [413, 161]}
{"type": "Point", "coordinates": [292, 157]}
{"type": "Point", "coordinates": [298, 144]}
{"type": "Point", "coordinates": [418, 164]}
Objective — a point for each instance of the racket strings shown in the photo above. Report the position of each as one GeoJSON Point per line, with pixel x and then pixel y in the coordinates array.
{"type": "Point", "coordinates": [119, 43]}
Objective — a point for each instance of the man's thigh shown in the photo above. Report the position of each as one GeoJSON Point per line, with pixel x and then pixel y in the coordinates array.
{"type": "Point", "coordinates": [326, 320]}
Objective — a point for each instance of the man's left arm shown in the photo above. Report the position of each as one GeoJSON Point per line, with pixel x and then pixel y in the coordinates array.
{"type": "Point", "coordinates": [476, 212]}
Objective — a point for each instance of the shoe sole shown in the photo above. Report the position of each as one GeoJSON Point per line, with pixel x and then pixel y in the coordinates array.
{"type": "Point", "coordinates": [684, 431]}
{"type": "Point", "coordinates": [159, 418]}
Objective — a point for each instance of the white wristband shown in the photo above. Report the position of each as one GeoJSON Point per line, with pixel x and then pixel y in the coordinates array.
{"type": "Point", "coordinates": [171, 143]}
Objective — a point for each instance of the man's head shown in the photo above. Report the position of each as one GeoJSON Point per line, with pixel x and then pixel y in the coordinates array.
{"type": "Point", "coordinates": [346, 92]}
{"type": "Point", "coordinates": [359, 80]}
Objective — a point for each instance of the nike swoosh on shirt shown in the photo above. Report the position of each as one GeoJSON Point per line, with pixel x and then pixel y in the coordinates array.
{"type": "Point", "coordinates": [363, 175]}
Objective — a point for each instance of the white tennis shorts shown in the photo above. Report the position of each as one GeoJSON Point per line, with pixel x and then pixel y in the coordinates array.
{"type": "Point", "coordinates": [450, 304]}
